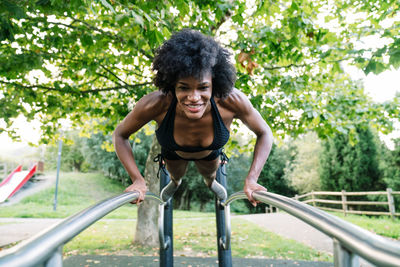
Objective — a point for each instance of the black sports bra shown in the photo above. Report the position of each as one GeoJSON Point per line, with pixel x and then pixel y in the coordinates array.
{"type": "Point", "coordinates": [165, 133]}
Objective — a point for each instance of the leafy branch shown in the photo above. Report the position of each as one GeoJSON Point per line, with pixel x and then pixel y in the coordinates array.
{"type": "Point", "coordinates": [305, 64]}
{"type": "Point", "coordinates": [113, 74]}
{"type": "Point", "coordinates": [77, 91]}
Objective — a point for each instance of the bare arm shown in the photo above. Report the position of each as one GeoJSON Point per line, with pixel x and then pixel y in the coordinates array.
{"type": "Point", "coordinates": [145, 110]}
{"type": "Point", "coordinates": [253, 120]}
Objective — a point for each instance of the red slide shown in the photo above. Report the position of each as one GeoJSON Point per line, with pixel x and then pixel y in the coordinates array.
{"type": "Point", "coordinates": [14, 182]}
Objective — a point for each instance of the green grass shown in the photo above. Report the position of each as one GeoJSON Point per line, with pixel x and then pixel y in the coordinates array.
{"type": "Point", "coordinates": [248, 240]}
{"type": "Point", "coordinates": [192, 237]}
{"type": "Point", "coordinates": [383, 225]}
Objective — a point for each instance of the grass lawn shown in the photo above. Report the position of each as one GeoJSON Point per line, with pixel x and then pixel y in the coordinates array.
{"type": "Point", "coordinates": [192, 237]}
{"type": "Point", "coordinates": [384, 225]}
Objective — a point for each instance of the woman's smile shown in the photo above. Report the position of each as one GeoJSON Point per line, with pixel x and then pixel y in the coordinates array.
{"type": "Point", "coordinates": [194, 108]}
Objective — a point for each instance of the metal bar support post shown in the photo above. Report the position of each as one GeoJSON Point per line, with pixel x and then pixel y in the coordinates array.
{"type": "Point", "coordinates": [224, 255]}
{"type": "Point", "coordinates": [166, 254]}
{"type": "Point", "coordinates": [342, 257]}
{"type": "Point", "coordinates": [56, 259]}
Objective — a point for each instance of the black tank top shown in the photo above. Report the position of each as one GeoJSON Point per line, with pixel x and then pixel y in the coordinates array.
{"type": "Point", "coordinates": [165, 133]}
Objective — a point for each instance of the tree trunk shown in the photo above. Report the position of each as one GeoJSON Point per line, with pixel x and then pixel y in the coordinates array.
{"type": "Point", "coordinates": [77, 166]}
{"type": "Point", "coordinates": [182, 198]}
{"type": "Point", "coordinates": [188, 198]}
{"type": "Point", "coordinates": [147, 219]}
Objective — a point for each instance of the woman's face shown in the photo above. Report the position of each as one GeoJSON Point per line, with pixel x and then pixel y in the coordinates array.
{"type": "Point", "coordinates": [194, 95]}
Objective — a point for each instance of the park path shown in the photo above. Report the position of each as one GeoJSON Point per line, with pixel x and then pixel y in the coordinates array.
{"type": "Point", "coordinates": [13, 230]}
{"type": "Point", "coordinates": [290, 227]}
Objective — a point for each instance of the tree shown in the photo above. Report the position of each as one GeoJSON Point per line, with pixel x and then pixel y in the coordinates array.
{"type": "Point", "coordinates": [72, 158]}
{"type": "Point", "coordinates": [193, 191]}
{"type": "Point", "coordinates": [391, 169]}
{"type": "Point", "coordinates": [146, 227]}
{"type": "Point", "coordinates": [99, 154]}
{"type": "Point", "coordinates": [351, 167]}
{"type": "Point", "coordinates": [89, 61]}
{"type": "Point", "coordinates": [303, 171]}
{"type": "Point", "coordinates": [272, 175]}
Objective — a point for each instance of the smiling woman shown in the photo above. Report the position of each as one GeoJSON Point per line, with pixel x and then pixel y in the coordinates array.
{"type": "Point", "coordinates": [194, 108]}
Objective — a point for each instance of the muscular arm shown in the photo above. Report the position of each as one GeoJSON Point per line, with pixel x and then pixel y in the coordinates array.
{"type": "Point", "coordinates": [253, 120]}
{"type": "Point", "coordinates": [147, 109]}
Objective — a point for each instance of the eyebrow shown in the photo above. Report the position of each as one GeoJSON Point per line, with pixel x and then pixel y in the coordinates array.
{"type": "Point", "coordinates": [202, 83]}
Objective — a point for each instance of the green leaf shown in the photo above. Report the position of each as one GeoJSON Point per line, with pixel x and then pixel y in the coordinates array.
{"type": "Point", "coordinates": [238, 19]}
{"type": "Point", "coordinates": [138, 19]}
{"type": "Point", "coordinates": [166, 33]}
{"type": "Point", "coordinates": [294, 7]}
{"type": "Point", "coordinates": [183, 7]}
{"type": "Point", "coordinates": [6, 30]}
{"type": "Point", "coordinates": [15, 11]}
{"type": "Point", "coordinates": [336, 67]}
{"type": "Point", "coordinates": [108, 5]}
{"type": "Point", "coordinates": [375, 67]}
{"type": "Point", "coordinates": [86, 40]}
{"type": "Point", "coordinates": [395, 58]}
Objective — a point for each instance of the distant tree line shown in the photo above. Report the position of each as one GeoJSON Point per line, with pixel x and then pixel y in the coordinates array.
{"type": "Point", "coordinates": [300, 166]}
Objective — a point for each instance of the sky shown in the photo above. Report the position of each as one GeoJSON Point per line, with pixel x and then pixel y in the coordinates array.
{"type": "Point", "coordinates": [382, 88]}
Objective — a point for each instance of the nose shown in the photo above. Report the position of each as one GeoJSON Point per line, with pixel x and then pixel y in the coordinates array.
{"type": "Point", "coordinates": [194, 96]}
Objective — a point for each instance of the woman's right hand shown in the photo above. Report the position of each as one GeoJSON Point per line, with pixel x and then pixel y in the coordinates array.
{"type": "Point", "coordinates": [139, 185]}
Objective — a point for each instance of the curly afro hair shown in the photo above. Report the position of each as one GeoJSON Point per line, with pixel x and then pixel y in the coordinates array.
{"type": "Point", "coordinates": [190, 53]}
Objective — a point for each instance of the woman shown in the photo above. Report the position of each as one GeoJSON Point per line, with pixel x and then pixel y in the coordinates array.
{"type": "Point", "coordinates": [194, 108]}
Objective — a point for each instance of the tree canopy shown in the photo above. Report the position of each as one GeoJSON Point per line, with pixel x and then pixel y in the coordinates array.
{"type": "Point", "coordinates": [89, 61]}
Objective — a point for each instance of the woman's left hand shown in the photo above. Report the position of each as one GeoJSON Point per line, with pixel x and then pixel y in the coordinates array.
{"type": "Point", "coordinates": [251, 186]}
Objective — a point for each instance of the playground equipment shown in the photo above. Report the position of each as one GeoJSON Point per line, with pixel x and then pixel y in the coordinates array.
{"type": "Point", "coordinates": [14, 182]}
{"type": "Point", "coordinates": [350, 242]}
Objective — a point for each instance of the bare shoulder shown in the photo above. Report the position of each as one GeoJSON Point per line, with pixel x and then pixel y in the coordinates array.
{"type": "Point", "coordinates": [153, 100]}
{"type": "Point", "coordinates": [150, 107]}
{"type": "Point", "coordinates": [153, 104]}
{"type": "Point", "coordinates": [236, 102]}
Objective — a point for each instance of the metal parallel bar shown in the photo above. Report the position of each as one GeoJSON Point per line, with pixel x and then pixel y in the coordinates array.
{"type": "Point", "coordinates": [164, 242]}
{"type": "Point", "coordinates": [225, 243]}
{"type": "Point", "coordinates": [374, 248]}
{"type": "Point", "coordinates": [41, 249]}
{"type": "Point", "coordinates": [38, 249]}
{"type": "Point", "coordinates": [223, 225]}
{"type": "Point", "coordinates": [166, 233]}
